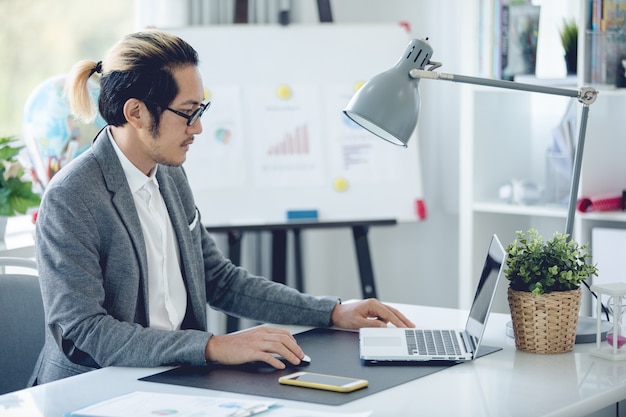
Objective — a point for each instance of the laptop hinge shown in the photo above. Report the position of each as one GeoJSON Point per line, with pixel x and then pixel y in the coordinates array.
{"type": "Point", "coordinates": [468, 340]}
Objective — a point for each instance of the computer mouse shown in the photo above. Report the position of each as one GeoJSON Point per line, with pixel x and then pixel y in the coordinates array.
{"type": "Point", "coordinates": [303, 362]}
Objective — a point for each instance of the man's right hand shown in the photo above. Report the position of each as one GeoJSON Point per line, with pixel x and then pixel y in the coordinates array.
{"type": "Point", "coordinates": [256, 344]}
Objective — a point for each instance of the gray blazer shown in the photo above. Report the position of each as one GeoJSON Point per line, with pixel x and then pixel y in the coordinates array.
{"type": "Point", "coordinates": [93, 270]}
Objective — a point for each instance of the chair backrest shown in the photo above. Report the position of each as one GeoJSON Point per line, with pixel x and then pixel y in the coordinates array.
{"type": "Point", "coordinates": [22, 323]}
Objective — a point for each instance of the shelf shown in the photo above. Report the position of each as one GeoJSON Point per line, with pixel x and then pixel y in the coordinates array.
{"type": "Point", "coordinates": [522, 210]}
{"type": "Point", "coordinates": [609, 216]}
{"type": "Point", "coordinates": [545, 211]}
{"type": "Point", "coordinates": [505, 135]}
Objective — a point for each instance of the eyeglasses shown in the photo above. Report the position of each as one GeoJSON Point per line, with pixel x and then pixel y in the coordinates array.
{"type": "Point", "coordinates": [197, 113]}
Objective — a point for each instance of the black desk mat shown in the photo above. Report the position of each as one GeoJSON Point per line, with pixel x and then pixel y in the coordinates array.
{"type": "Point", "coordinates": [332, 352]}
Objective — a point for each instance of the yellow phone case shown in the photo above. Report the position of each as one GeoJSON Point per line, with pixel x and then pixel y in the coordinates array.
{"type": "Point", "coordinates": [323, 381]}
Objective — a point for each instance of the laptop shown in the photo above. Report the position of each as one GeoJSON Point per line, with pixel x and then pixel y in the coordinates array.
{"type": "Point", "coordinates": [391, 344]}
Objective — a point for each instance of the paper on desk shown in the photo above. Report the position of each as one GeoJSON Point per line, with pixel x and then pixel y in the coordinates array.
{"type": "Point", "coordinates": [150, 404]}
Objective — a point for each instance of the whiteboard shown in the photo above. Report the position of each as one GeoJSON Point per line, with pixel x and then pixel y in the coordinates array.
{"type": "Point", "coordinates": [275, 139]}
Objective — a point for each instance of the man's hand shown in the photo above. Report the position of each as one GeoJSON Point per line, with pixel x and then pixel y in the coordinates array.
{"type": "Point", "coordinates": [367, 313]}
{"type": "Point", "coordinates": [256, 344]}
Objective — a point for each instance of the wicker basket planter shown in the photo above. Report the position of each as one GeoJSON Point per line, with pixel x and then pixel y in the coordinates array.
{"type": "Point", "coordinates": [545, 323]}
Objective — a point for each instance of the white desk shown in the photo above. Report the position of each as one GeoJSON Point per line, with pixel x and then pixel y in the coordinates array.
{"type": "Point", "coordinates": [19, 239]}
{"type": "Point", "coordinates": [505, 383]}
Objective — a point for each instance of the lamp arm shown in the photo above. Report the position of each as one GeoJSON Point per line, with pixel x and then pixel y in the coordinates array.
{"type": "Point", "coordinates": [585, 95]}
{"type": "Point", "coordinates": [578, 161]}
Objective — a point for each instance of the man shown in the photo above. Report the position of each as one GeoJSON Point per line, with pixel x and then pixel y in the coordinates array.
{"type": "Point", "coordinates": [126, 267]}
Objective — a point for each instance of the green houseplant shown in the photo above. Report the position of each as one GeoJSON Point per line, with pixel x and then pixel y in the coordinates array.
{"type": "Point", "coordinates": [540, 267]}
{"type": "Point", "coordinates": [544, 290]}
{"type": "Point", "coordinates": [569, 39]}
{"type": "Point", "coordinates": [16, 193]}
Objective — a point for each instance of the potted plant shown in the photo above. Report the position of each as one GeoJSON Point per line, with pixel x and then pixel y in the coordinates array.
{"type": "Point", "coordinates": [16, 193]}
{"type": "Point", "coordinates": [569, 39]}
{"type": "Point", "coordinates": [544, 290]}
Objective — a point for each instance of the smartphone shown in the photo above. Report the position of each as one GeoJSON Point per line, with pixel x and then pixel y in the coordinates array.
{"type": "Point", "coordinates": [321, 381]}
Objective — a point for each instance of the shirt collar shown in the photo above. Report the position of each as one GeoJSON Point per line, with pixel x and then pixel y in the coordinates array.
{"type": "Point", "coordinates": [136, 179]}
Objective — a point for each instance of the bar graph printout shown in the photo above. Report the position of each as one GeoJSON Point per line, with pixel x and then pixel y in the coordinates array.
{"type": "Point", "coordinates": [285, 136]}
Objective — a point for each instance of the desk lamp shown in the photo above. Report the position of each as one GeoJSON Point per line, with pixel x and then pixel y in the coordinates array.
{"type": "Point", "coordinates": [388, 105]}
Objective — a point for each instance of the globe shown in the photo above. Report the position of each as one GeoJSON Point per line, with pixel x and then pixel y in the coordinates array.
{"type": "Point", "coordinates": [51, 134]}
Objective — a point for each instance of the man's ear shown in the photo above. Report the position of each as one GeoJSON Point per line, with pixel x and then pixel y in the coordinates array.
{"type": "Point", "coordinates": [136, 113]}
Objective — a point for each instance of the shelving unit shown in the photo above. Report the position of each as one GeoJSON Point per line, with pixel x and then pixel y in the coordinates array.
{"type": "Point", "coordinates": [604, 168]}
{"type": "Point", "coordinates": [504, 136]}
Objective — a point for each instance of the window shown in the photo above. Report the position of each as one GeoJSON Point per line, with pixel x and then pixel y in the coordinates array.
{"type": "Point", "coordinates": [41, 39]}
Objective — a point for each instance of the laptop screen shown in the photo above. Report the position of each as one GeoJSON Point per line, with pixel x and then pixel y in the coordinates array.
{"type": "Point", "coordinates": [486, 290]}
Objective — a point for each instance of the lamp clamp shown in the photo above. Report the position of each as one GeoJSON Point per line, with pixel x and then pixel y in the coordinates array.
{"type": "Point", "coordinates": [433, 65]}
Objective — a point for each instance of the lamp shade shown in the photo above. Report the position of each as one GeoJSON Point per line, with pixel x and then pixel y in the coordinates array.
{"type": "Point", "coordinates": [388, 104]}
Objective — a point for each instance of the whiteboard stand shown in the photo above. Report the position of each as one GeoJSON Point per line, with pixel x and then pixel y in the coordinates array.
{"type": "Point", "coordinates": [279, 232]}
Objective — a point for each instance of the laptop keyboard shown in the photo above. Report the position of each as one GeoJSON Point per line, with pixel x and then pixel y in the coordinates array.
{"type": "Point", "coordinates": [432, 342]}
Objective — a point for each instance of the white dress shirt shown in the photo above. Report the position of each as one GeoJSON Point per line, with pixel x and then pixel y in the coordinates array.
{"type": "Point", "coordinates": [167, 296]}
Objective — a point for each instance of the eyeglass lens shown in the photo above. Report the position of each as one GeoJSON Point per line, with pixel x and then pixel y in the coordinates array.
{"type": "Point", "coordinates": [198, 113]}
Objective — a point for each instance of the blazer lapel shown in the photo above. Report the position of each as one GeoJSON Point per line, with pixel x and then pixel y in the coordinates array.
{"type": "Point", "coordinates": [123, 202]}
{"type": "Point", "coordinates": [178, 217]}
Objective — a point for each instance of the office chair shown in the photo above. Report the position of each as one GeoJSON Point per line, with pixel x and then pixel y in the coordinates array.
{"type": "Point", "coordinates": [22, 323]}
